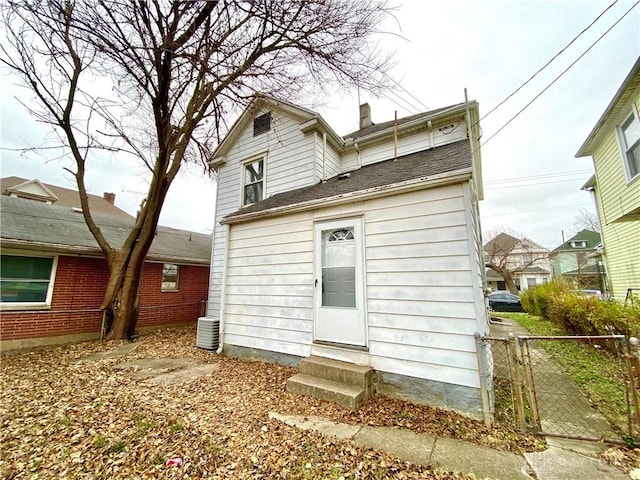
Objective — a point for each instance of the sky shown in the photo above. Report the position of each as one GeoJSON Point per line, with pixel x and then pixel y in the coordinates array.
{"type": "Point", "coordinates": [531, 179]}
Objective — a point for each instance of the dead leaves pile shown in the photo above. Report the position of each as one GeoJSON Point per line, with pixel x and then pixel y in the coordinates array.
{"type": "Point", "coordinates": [59, 418]}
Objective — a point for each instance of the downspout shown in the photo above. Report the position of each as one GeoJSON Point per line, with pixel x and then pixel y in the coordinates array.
{"type": "Point", "coordinates": [355, 145]}
{"type": "Point", "coordinates": [224, 289]}
{"type": "Point", "coordinates": [324, 155]}
{"type": "Point", "coordinates": [431, 136]}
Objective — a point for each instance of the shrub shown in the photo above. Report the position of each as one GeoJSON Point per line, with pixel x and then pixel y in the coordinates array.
{"type": "Point", "coordinates": [559, 303]}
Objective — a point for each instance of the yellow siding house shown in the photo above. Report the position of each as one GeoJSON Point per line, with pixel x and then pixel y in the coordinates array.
{"type": "Point", "coordinates": [614, 145]}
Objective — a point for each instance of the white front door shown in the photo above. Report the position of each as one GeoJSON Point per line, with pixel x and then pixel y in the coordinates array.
{"type": "Point", "coordinates": [339, 282]}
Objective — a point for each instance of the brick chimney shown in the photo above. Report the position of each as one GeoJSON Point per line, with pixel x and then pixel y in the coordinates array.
{"type": "Point", "coordinates": [365, 116]}
{"type": "Point", "coordinates": [109, 197]}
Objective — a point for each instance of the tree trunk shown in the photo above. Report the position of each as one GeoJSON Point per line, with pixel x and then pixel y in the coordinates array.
{"type": "Point", "coordinates": [506, 276]}
{"type": "Point", "coordinates": [125, 307]}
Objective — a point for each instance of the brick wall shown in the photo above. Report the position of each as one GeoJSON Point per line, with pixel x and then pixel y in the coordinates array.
{"type": "Point", "coordinates": [79, 289]}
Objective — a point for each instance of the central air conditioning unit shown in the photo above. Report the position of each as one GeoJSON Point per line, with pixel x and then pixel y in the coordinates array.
{"type": "Point", "coordinates": [208, 334]}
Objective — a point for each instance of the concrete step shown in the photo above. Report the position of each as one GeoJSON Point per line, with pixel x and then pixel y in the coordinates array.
{"type": "Point", "coordinates": [343, 372]}
{"type": "Point", "coordinates": [347, 396]}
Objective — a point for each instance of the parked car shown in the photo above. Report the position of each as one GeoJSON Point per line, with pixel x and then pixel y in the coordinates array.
{"type": "Point", "coordinates": [504, 302]}
{"type": "Point", "coordinates": [591, 293]}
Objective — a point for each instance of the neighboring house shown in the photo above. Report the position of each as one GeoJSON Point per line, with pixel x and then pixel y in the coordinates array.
{"type": "Point", "coordinates": [62, 197]}
{"type": "Point", "coordinates": [54, 276]}
{"type": "Point", "coordinates": [614, 145]}
{"type": "Point", "coordinates": [524, 260]}
{"type": "Point", "coordinates": [357, 248]}
{"type": "Point", "coordinates": [579, 260]}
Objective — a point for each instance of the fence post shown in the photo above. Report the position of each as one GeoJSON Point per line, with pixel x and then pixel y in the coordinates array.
{"type": "Point", "coordinates": [633, 367]}
{"type": "Point", "coordinates": [528, 382]}
{"type": "Point", "coordinates": [516, 382]}
{"type": "Point", "coordinates": [483, 371]}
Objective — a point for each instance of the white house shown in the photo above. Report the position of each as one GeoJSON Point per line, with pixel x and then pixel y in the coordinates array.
{"type": "Point", "coordinates": [364, 248]}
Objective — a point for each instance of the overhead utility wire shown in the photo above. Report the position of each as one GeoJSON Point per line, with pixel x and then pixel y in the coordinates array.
{"type": "Point", "coordinates": [563, 72]}
{"type": "Point", "coordinates": [538, 210]}
{"type": "Point", "coordinates": [537, 177]}
{"type": "Point", "coordinates": [548, 63]}
{"type": "Point", "coordinates": [407, 91]}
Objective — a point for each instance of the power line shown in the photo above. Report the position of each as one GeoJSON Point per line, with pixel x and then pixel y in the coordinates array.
{"type": "Point", "coordinates": [538, 210]}
{"type": "Point", "coordinates": [537, 177]}
{"type": "Point", "coordinates": [548, 63]}
{"type": "Point", "coordinates": [498, 187]}
{"type": "Point", "coordinates": [561, 74]}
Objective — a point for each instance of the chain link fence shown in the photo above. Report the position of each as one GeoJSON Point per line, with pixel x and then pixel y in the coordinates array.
{"type": "Point", "coordinates": [525, 386]}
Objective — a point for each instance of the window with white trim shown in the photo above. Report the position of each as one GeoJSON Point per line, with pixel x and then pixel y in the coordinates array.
{"type": "Point", "coordinates": [630, 143]}
{"type": "Point", "coordinates": [253, 182]}
{"type": "Point", "coordinates": [170, 276]}
{"type": "Point", "coordinates": [26, 281]}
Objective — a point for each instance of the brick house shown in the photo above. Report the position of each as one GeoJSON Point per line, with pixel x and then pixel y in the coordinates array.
{"type": "Point", "coordinates": [54, 276]}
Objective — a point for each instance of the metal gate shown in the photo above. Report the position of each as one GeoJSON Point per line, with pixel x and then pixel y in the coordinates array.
{"type": "Point", "coordinates": [523, 384]}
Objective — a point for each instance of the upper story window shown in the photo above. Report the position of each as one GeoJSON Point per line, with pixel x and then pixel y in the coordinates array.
{"type": "Point", "coordinates": [253, 178]}
{"type": "Point", "coordinates": [261, 124]}
{"type": "Point", "coordinates": [26, 281]}
{"type": "Point", "coordinates": [630, 140]}
{"type": "Point", "coordinates": [579, 244]}
{"type": "Point", "coordinates": [170, 274]}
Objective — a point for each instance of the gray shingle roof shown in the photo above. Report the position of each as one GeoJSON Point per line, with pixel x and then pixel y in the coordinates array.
{"type": "Point", "coordinates": [420, 165]}
{"type": "Point", "coordinates": [32, 224]}
{"type": "Point", "coordinates": [69, 198]}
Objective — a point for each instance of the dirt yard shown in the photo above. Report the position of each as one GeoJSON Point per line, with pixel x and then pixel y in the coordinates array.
{"type": "Point", "coordinates": [64, 418]}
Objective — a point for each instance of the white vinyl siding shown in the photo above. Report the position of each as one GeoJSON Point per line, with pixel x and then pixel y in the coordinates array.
{"type": "Point", "coordinates": [416, 142]}
{"type": "Point", "coordinates": [420, 288]}
{"type": "Point", "coordinates": [269, 286]}
{"type": "Point", "coordinates": [285, 169]}
{"type": "Point", "coordinates": [421, 296]}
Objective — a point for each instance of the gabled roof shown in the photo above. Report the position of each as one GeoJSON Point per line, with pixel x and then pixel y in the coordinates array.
{"type": "Point", "coordinates": [504, 243]}
{"type": "Point", "coordinates": [263, 101]}
{"type": "Point", "coordinates": [64, 197]}
{"type": "Point", "coordinates": [39, 226]}
{"type": "Point", "coordinates": [592, 238]}
{"type": "Point", "coordinates": [501, 243]}
{"type": "Point", "coordinates": [620, 99]}
{"type": "Point", "coordinates": [449, 160]}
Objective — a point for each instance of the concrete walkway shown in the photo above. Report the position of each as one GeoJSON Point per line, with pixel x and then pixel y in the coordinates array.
{"type": "Point", "coordinates": [455, 455]}
{"type": "Point", "coordinates": [563, 408]}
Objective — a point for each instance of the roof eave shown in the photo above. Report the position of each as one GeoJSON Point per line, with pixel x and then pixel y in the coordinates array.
{"type": "Point", "coordinates": [447, 178]}
{"type": "Point", "coordinates": [586, 148]}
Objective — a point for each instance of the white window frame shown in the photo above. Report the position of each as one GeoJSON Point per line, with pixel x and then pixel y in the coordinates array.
{"type": "Point", "coordinates": [177, 282]}
{"type": "Point", "coordinates": [52, 277]}
{"type": "Point", "coordinates": [243, 166]}
{"type": "Point", "coordinates": [624, 148]}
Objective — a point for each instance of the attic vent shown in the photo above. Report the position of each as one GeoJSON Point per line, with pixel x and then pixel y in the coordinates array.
{"type": "Point", "coordinates": [208, 333]}
{"type": "Point", "coordinates": [262, 124]}
{"type": "Point", "coordinates": [344, 176]}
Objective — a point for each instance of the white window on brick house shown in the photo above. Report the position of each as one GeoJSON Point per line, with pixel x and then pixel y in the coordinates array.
{"type": "Point", "coordinates": [170, 275]}
{"type": "Point", "coordinates": [629, 136]}
{"type": "Point", "coordinates": [253, 182]}
{"type": "Point", "coordinates": [26, 281]}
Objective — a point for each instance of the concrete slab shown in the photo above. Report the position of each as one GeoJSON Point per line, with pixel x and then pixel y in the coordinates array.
{"type": "Point", "coordinates": [168, 371]}
{"type": "Point", "coordinates": [583, 447]}
{"type": "Point", "coordinates": [185, 375]}
{"type": "Point", "coordinates": [483, 462]}
{"type": "Point", "coordinates": [558, 464]}
{"type": "Point", "coordinates": [116, 352]}
{"type": "Point", "coordinates": [327, 428]}
{"type": "Point", "coordinates": [405, 444]}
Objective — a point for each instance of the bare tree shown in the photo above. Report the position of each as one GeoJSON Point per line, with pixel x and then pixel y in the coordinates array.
{"type": "Point", "coordinates": [508, 254]}
{"type": "Point", "coordinates": [157, 79]}
{"type": "Point", "coordinates": [586, 220]}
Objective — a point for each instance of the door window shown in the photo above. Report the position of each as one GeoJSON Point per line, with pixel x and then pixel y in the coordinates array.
{"type": "Point", "coordinates": [338, 268]}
